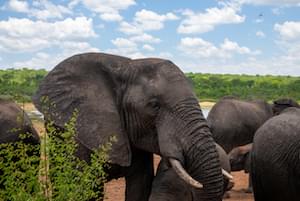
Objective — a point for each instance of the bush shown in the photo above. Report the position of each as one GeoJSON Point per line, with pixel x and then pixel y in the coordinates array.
{"type": "Point", "coordinates": [58, 176]}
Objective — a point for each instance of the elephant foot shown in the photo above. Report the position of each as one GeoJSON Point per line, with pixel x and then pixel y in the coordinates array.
{"type": "Point", "coordinates": [248, 190]}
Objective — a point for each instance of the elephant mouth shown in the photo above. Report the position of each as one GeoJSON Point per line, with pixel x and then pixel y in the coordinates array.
{"type": "Point", "coordinates": [182, 173]}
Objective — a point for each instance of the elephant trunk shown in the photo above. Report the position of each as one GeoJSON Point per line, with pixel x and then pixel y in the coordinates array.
{"type": "Point", "coordinates": [202, 162]}
{"type": "Point", "coordinates": [187, 139]}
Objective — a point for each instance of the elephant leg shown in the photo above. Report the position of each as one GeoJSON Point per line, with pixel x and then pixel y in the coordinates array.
{"type": "Point", "coordinates": [139, 177]}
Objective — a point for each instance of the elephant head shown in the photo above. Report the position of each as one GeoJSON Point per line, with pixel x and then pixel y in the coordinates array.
{"type": "Point", "coordinates": [281, 104]}
{"type": "Point", "coordinates": [146, 104]}
{"type": "Point", "coordinates": [239, 158]}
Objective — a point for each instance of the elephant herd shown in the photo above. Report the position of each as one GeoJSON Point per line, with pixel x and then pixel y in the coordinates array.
{"type": "Point", "coordinates": [149, 106]}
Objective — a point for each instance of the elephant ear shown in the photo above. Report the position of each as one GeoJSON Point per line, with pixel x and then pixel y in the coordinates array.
{"type": "Point", "coordinates": [87, 83]}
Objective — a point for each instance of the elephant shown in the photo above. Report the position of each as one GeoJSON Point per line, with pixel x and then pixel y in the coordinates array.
{"type": "Point", "coordinates": [240, 159]}
{"type": "Point", "coordinates": [167, 186]}
{"type": "Point", "coordinates": [275, 161]}
{"type": "Point", "coordinates": [233, 122]}
{"type": "Point", "coordinates": [147, 104]}
{"type": "Point", "coordinates": [14, 121]}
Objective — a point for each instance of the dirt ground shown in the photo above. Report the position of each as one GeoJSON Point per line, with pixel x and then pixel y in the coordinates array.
{"type": "Point", "coordinates": [114, 190]}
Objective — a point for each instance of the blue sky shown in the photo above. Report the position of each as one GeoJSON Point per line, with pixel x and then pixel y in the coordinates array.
{"type": "Point", "coordinates": [231, 36]}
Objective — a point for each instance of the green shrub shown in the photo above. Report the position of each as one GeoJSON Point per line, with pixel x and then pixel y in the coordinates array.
{"type": "Point", "coordinates": [19, 168]}
{"type": "Point", "coordinates": [58, 176]}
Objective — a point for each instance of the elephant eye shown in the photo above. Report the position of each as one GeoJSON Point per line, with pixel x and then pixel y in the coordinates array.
{"type": "Point", "coordinates": [154, 104]}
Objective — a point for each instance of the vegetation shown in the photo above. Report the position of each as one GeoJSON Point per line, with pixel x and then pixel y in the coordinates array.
{"type": "Point", "coordinates": [60, 176]}
{"type": "Point", "coordinates": [21, 84]}
{"type": "Point", "coordinates": [212, 87]}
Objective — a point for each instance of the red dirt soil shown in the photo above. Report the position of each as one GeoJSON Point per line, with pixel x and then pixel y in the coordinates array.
{"type": "Point", "coordinates": [114, 190]}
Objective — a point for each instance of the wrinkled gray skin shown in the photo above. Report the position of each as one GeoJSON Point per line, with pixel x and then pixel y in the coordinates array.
{"type": "Point", "coordinates": [14, 121]}
{"type": "Point", "coordinates": [147, 104]}
{"type": "Point", "coordinates": [233, 122]}
{"type": "Point", "coordinates": [275, 161]}
{"type": "Point", "coordinates": [167, 186]}
{"type": "Point", "coordinates": [240, 158]}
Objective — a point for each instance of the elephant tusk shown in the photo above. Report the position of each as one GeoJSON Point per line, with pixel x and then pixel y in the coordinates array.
{"type": "Point", "coordinates": [176, 165]}
{"type": "Point", "coordinates": [226, 174]}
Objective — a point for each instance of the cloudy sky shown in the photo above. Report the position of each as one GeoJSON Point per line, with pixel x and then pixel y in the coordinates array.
{"type": "Point", "coordinates": [230, 36]}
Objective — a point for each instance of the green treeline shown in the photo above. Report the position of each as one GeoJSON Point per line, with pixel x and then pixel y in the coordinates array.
{"type": "Point", "coordinates": [212, 86]}
{"type": "Point", "coordinates": [21, 84]}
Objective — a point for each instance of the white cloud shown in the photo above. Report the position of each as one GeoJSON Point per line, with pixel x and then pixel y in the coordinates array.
{"type": "Point", "coordinates": [108, 9]}
{"type": "Point", "coordinates": [26, 35]}
{"type": "Point", "coordinates": [148, 47]}
{"type": "Point", "coordinates": [197, 47]}
{"type": "Point", "coordinates": [272, 2]}
{"type": "Point", "coordinates": [207, 21]}
{"type": "Point", "coordinates": [143, 21]}
{"type": "Point", "coordinates": [130, 29]}
{"type": "Point", "coordinates": [48, 61]}
{"type": "Point", "coordinates": [145, 38]}
{"type": "Point", "coordinates": [46, 10]}
{"type": "Point", "coordinates": [260, 34]}
{"type": "Point", "coordinates": [111, 17]}
{"type": "Point", "coordinates": [123, 42]}
{"type": "Point", "coordinates": [289, 30]}
{"type": "Point", "coordinates": [36, 62]}
{"type": "Point", "coordinates": [18, 6]}
{"type": "Point", "coordinates": [76, 47]}
{"type": "Point", "coordinates": [125, 47]}
{"type": "Point", "coordinates": [42, 9]}
{"type": "Point", "coordinates": [231, 46]}
{"type": "Point", "coordinates": [146, 20]}
{"type": "Point", "coordinates": [289, 44]}
{"type": "Point", "coordinates": [149, 20]}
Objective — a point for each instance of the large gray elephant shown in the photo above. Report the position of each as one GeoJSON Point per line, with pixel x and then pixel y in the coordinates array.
{"type": "Point", "coordinates": [275, 158]}
{"type": "Point", "coordinates": [233, 122]}
{"type": "Point", "coordinates": [148, 105]}
{"type": "Point", "coordinates": [13, 122]}
{"type": "Point", "coordinates": [167, 186]}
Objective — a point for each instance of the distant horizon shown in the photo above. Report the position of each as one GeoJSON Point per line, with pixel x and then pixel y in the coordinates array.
{"type": "Point", "coordinates": [219, 37]}
{"type": "Point", "coordinates": [252, 75]}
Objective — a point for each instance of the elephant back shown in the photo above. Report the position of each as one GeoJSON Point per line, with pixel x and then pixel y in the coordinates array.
{"type": "Point", "coordinates": [233, 122]}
